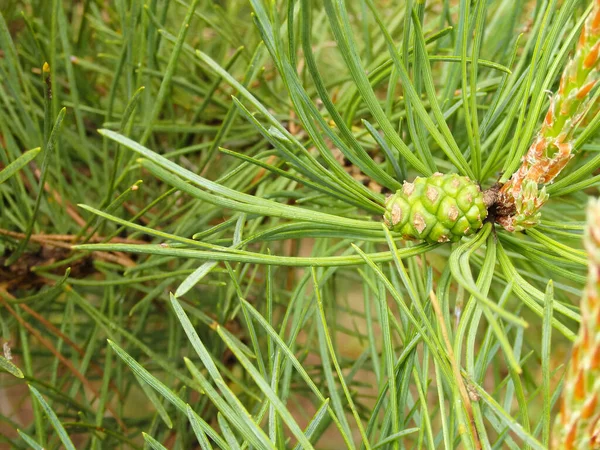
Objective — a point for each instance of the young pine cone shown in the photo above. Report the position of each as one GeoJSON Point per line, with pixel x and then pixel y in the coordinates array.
{"type": "Point", "coordinates": [439, 208]}
{"type": "Point", "coordinates": [578, 423]}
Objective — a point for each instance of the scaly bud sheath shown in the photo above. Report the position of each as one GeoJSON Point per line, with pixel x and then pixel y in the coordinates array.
{"type": "Point", "coordinates": [440, 208]}
{"type": "Point", "coordinates": [553, 146]}
{"type": "Point", "coordinates": [577, 425]}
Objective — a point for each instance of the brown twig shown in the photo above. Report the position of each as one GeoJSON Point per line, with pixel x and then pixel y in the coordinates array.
{"type": "Point", "coordinates": [66, 362]}
{"type": "Point", "coordinates": [42, 237]}
{"type": "Point", "coordinates": [54, 330]}
{"type": "Point", "coordinates": [61, 241]}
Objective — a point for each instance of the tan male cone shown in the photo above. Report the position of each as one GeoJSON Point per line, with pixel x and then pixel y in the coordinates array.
{"type": "Point", "coordinates": [578, 423]}
{"type": "Point", "coordinates": [523, 195]}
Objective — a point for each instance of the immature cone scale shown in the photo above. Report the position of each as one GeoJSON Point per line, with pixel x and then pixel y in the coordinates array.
{"type": "Point", "coordinates": [577, 425]}
{"type": "Point", "coordinates": [439, 208]}
{"type": "Point", "coordinates": [553, 146]}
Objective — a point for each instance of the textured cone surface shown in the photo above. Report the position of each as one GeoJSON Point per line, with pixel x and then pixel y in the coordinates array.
{"type": "Point", "coordinates": [578, 422]}
{"type": "Point", "coordinates": [439, 208]}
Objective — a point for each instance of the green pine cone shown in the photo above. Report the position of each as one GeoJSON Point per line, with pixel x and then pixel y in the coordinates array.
{"type": "Point", "coordinates": [440, 208]}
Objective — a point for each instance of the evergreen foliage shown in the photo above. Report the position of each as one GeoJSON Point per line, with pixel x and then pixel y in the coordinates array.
{"type": "Point", "coordinates": [194, 255]}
